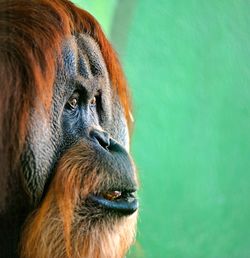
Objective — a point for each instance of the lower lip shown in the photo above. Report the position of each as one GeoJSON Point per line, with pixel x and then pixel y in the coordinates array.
{"type": "Point", "coordinates": [126, 206]}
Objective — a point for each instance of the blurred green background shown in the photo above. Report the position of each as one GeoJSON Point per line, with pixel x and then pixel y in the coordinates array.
{"type": "Point", "coordinates": [188, 65]}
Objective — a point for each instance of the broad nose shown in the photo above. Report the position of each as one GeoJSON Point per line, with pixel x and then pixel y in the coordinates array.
{"type": "Point", "coordinates": [101, 137]}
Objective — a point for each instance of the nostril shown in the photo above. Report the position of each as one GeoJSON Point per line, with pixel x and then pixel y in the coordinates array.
{"type": "Point", "coordinates": [101, 137]}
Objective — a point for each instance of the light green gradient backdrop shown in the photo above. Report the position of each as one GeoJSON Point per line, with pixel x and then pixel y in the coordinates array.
{"type": "Point", "coordinates": [188, 64]}
{"type": "Point", "coordinates": [103, 10]}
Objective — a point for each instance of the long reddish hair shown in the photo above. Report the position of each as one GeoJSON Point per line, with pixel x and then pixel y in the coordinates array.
{"type": "Point", "coordinates": [31, 34]}
{"type": "Point", "coordinates": [64, 226]}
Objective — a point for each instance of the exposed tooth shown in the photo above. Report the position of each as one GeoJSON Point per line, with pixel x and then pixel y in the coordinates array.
{"type": "Point", "coordinates": [112, 195]}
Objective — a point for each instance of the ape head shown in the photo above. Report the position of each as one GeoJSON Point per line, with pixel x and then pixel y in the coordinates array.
{"type": "Point", "coordinates": [68, 180]}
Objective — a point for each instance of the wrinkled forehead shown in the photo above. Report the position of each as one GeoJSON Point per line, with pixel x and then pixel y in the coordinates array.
{"type": "Point", "coordinates": [82, 58]}
{"type": "Point", "coordinates": [83, 64]}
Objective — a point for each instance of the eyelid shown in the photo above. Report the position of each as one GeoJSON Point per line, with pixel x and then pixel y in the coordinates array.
{"type": "Point", "coordinates": [75, 95]}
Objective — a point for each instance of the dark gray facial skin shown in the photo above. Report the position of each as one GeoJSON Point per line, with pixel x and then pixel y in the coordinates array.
{"type": "Point", "coordinates": [83, 101]}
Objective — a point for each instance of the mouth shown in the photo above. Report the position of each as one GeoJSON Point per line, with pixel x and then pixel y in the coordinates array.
{"type": "Point", "coordinates": [118, 201]}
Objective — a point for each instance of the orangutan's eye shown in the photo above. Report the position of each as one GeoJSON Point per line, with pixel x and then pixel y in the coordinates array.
{"type": "Point", "coordinates": [73, 101]}
{"type": "Point", "coordinates": [93, 102]}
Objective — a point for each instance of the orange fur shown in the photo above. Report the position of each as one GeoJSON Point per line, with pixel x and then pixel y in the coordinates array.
{"type": "Point", "coordinates": [28, 63]}
{"type": "Point", "coordinates": [31, 35]}
{"type": "Point", "coordinates": [65, 226]}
